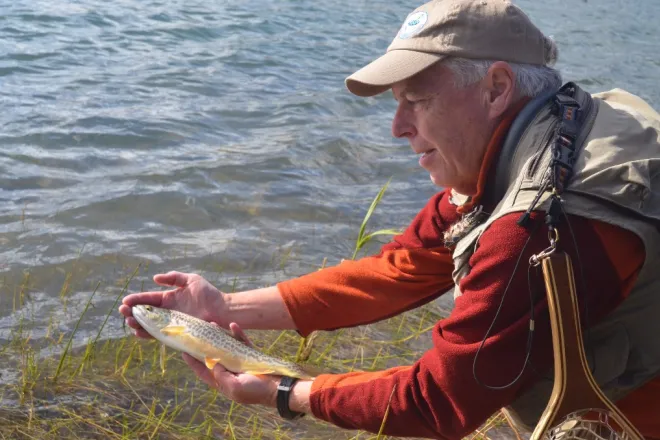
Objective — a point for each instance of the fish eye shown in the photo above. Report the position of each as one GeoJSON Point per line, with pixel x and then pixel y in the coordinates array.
{"type": "Point", "coordinates": [148, 308]}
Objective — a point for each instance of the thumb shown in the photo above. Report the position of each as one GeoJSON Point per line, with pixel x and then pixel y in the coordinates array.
{"type": "Point", "coordinates": [224, 379]}
{"type": "Point", "coordinates": [240, 334]}
{"type": "Point", "coordinates": [219, 372]}
{"type": "Point", "coordinates": [172, 278]}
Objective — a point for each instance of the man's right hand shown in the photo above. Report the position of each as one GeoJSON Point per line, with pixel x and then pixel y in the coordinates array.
{"type": "Point", "coordinates": [191, 294]}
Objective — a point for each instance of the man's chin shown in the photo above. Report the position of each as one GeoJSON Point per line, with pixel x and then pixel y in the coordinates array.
{"type": "Point", "coordinates": [436, 180]}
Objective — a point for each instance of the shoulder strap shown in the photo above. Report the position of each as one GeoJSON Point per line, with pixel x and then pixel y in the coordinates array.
{"type": "Point", "coordinates": [575, 113]}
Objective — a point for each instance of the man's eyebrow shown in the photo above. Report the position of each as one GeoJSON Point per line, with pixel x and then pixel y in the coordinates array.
{"type": "Point", "coordinates": [404, 93]}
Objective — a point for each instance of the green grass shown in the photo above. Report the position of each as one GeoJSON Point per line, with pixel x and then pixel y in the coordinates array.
{"type": "Point", "coordinates": [126, 388]}
{"type": "Point", "coordinates": [363, 237]}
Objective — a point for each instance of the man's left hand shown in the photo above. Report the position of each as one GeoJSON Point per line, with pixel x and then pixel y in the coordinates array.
{"type": "Point", "coordinates": [242, 388]}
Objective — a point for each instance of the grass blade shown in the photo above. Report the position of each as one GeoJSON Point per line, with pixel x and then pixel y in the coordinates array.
{"type": "Point", "coordinates": [362, 239]}
{"type": "Point", "coordinates": [114, 307]}
{"type": "Point", "coordinates": [75, 329]}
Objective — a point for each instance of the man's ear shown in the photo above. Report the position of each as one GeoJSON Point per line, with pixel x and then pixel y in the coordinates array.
{"type": "Point", "coordinates": [499, 87]}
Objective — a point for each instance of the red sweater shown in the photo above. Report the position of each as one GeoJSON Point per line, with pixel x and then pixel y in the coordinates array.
{"type": "Point", "coordinates": [437, 396]}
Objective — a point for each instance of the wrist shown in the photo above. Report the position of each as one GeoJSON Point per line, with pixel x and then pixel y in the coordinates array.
{"type": "Point", "coordinates": [299, 398]}
{"type": "Point", "coordinates": [292, 398]}
{"type": "Point", "coordinates": [224, 310]}
{"type": "Point", "coordinates": [261, 309]}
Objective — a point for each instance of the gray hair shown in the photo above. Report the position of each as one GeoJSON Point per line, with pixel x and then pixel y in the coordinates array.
{"type": "Point", "coordinates": [530, 79]}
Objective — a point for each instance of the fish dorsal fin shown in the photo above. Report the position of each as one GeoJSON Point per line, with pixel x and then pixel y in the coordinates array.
{"type": "Point", "coordinates": [173, 330]}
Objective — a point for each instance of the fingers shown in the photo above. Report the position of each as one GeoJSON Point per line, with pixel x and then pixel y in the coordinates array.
{"type": "Point", "coordinates": [139, 331]}
{"type": "Point", "coordinates": [239, 334]}
{"type": "Point", "coordinates": [173, 278]}
{"type": "Point", "coordinates": [125, 310]}
{"type": "Point", "coordinates": [218, 378]}
{"type": "Point", "coordinates": [225, 381]}
{"type": "Point", "coordinates": [150, 298]}
{"type": "Point", "coordinates": [200, 370]}
{"type": "Point", "coordinates": [143, 334]}
{"type": "Point", "coordinates": [132, 322]}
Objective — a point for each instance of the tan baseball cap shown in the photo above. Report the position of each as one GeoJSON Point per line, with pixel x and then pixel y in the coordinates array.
{"type": "Point", "coordinates": [481, 29]}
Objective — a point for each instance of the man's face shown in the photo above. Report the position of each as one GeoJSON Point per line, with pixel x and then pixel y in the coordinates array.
{"type": "Point", "coordinates": [448, 127]}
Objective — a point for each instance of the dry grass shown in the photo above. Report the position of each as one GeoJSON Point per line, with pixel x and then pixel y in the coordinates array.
{"type": "Point", "coordinates": [116, 389]}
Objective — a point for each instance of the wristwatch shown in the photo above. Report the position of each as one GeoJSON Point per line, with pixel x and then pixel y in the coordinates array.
{"type": "Point", "coordinates": [283, 393]}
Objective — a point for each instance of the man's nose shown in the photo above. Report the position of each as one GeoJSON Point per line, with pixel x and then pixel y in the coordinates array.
{"type": "Point", "coordinates": [401, 125]}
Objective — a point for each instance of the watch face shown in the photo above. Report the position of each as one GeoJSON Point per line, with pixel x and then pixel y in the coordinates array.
{"type": "Point", "coordinates": [286, 383]}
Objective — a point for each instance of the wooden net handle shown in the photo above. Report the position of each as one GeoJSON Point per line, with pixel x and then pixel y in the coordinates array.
{"type": "Point", "coordinates": [574, 387]}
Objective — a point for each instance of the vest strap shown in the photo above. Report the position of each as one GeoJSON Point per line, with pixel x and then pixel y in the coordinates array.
{"type": "Point", "coordinates": [572, 107]}
{"type": "Point", "coordinates": [563, 147]}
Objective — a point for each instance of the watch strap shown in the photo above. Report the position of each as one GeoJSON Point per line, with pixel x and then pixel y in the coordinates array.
{"type": "Point", "coordinates": [283, 394]}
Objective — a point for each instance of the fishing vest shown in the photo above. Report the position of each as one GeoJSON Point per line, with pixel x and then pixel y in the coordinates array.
{"type": "Point", "coordinates": [615, 179]}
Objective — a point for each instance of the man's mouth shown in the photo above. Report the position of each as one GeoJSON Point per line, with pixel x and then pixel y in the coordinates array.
{"type": "Point", "coordinates": [426, 158]}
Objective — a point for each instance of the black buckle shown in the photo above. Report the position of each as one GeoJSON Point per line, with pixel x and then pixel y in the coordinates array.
{"type": "Point", "coordinates": [563, 155]}
{"type": "Point", "coordinates": [563, 99]}
{"type": "Point", "coordinates": [567, 109]}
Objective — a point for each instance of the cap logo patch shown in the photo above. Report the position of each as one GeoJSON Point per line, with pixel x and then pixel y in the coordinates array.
{"type": "Point", "coordinates": [413, 24]}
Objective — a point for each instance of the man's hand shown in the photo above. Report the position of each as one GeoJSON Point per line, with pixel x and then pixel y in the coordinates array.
{"type": "Point", "coordinates": [256, 309]}
{"type": "Point", "coordinates": [191, 294]}
{"type": "Point", "coordinates": [242, 388]}
{"type": "Point", "coordinates": [247, 388]}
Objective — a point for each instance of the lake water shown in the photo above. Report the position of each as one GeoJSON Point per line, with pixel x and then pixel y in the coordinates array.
{"type": "Point", "coordinates": [218, 137]}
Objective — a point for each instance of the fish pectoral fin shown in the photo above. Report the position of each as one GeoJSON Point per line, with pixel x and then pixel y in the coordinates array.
{"type": "Point", "coordinates": [210, 362]}
{"type": "Point", "coordinates": [173, 330]}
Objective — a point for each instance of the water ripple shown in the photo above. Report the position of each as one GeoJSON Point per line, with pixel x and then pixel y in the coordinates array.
{"type": "Point", "coordinates": [196, 134]}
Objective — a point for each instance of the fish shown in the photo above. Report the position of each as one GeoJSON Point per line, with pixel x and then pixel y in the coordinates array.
{"type": "Point", "coordinates": [212, 344]}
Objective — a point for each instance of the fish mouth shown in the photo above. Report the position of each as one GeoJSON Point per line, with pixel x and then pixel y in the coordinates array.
{"type": "Point", "coordinates": [138, 313]}
{"type": "Point", "coordinates": [150, 318]}
{"type": "Point", "coordinates": [141, 315]}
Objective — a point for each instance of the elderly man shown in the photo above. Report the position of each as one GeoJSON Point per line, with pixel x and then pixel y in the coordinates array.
{"type": "Point", "coordinates": [516, 153]}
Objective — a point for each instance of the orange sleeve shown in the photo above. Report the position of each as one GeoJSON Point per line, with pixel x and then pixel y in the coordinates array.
{"type": "Point", "coordinates": [408, 272]}
{"type": "Point", "coordinates": [360, 292]}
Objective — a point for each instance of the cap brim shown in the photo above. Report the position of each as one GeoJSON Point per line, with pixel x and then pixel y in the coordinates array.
{"type": "Point", "coordinates": [396, 65]}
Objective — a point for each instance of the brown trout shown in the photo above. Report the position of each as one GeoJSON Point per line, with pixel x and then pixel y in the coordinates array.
{"type": "Point", "coordinates": [211, 344]}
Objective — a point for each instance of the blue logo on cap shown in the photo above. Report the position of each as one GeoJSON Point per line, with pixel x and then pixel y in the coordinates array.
{"type": "Point", "coordinates": [413, 24]}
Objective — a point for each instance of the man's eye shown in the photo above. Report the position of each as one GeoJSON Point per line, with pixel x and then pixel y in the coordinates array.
{"type": "Point", "coordinates": [416, 99]}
